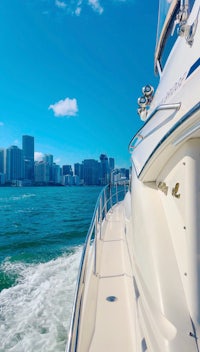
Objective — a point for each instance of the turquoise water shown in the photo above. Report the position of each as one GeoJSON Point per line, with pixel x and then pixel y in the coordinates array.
{"type": "Point", "coordinates": [41, 237]}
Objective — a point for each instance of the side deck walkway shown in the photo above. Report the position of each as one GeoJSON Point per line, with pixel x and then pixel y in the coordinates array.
{"type": "Point", "coordinates": [114, 326]}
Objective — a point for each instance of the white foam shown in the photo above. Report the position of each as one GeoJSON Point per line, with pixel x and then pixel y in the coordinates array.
{"type": "Point", "coordinates": [18, 197]}
{"type": "Point", "coordinates": [35, 313]}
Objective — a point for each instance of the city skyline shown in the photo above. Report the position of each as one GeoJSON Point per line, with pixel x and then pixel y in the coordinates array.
{"type": "Point", "coordinates": [41, 156]}
{"type": "Point", "coordinates": [72, 72]}
{"type": "Point", "coordinates": [18, 167]}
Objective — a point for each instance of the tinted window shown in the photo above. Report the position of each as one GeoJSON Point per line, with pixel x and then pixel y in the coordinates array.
{"type": "Point", "coordinates": [169, 41]}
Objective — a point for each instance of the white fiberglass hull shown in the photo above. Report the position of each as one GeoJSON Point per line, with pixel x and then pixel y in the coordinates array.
{"type": "Point", "coordinates": [165, 226]}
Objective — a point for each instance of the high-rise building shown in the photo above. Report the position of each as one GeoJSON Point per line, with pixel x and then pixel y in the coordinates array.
{"type": "Point", "coordinates": [28, 152]}
{"type": "Point", "coordinates": [55, 171]}
{"type": "Point", "coordinates": [111, 163]}
{"type": "Point", "coordinates": [2, 167]}
{"type": "Point", "coordinates": [78, 170]}
{"type": "Point", "coordinates": [67, 170]}
{"type": "Point", "coordinates": [76, 180]}
{"type": "Point", "coordinates": [14, 164]}
{"type": "Point", "coordinates": [42, 172]}
{"type": "Point", "coordinates": [48, 158]}
{"type": "Point", "coordinates": [127, 174]}
{"type": "Point", "coordinates": [48, 161]}
{"type": "Point", "coordinates": [91, 172]}
{"type": "Point", "coordinates": [68, 180]}
{"type": "Point", "coordinates": [104, 173]}
{"type": "Point", "coordinates": [2, 161]}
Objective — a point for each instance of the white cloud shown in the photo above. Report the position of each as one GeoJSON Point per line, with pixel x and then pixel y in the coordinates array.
{"type": "Point", "coordinates": [67, 107]}
{"type": "Point", "coordinates": [60, 4]}
{"type": "Point", "coordinates": [78, 11]}
{"type": "Point", "coordinates": [95, 4]}
{"type": "Point", "coordinates": [75, 7]}
{"type": "Point", "coordinates": [38, 156]}
{"type": "Point", "coordinates": [57, 161]}
{"type": "Point", "coordinates": [16, 142]}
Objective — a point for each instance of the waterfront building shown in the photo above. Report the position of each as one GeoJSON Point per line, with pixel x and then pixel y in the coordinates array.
{"type": "Point", "coordinates": [14, 164]}
{"type": "Point", "coordinates": [76, 180]}
{"type": "Point", "coordinates": [122, 172]}
{"type": "Point", "coordinates": [2, 178]}
{"type": "Point", "coordinates": [78, 170]}
{"type": "Point", "coordinates": [28, 155]}
{"type": "Point", "coordinates": [67, 170]}
{"type": "Point", "coordinates": [104, 169]}
{"type": "Point", "coordinates": [67, 180]}
{"type": "Point", "coordinates": [111, 164]}
{"type": "Point", "coordinates": [2, 167]}
{"type": "Point", "coordinates": [48, 158]}
{"type": "Point", "coordinates": [91, 173]}
{"type": "Point", "coordinates": [42, 172]}
{"type": "Point", "coordinates": [119, 175]}
{"type": "Point", "coordinates": [2, 160]}
{"type": "Point", "coordinates": [55, 173]}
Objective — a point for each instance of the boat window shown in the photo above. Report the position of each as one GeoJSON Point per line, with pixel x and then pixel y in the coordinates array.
{"type": "Point", "coordinates": [164, 7]}
{"type": "Point", "coordinates": [191, 3]}
{"type": "Point", "coordinates": [167, 29]}
{"type": "Point", "coordinates": [170, 38]}
{"type": "Point", "coordinates": [166, 32]}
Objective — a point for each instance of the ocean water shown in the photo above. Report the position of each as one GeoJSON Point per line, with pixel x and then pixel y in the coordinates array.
{"type": "Point", "coordinates": [42, 231]}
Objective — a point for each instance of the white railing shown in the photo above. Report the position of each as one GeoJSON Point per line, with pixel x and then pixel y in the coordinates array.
{"type": "Point", "coordinates": [109, 196]}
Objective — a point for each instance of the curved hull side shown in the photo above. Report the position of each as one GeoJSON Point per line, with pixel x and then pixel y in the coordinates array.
{"type": "Point", "coordinates": [166, 251]}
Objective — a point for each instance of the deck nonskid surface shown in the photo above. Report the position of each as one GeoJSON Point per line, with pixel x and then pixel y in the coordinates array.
{"type": "Point", "coordinates": [114, 327]}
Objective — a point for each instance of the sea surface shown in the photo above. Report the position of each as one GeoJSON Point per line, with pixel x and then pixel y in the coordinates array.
{"type": "Point", "coordinates": [42, 232]}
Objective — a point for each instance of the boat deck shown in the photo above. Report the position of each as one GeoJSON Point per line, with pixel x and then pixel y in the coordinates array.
{"type": "Point", "coordinates": [114, 325]}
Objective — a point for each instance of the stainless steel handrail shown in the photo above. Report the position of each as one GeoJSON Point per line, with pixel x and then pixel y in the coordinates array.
{"type": "Point", "coordinates": [139, 136]}
{"type": "Point", "coordinates": [108, 196]}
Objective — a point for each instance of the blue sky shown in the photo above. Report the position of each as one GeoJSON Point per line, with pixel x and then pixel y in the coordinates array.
{"type": "Point", "coordinates": [71, 72]}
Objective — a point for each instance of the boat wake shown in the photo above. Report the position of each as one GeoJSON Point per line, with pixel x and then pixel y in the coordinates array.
{"type": "Point", "coordinates": [35, 313]}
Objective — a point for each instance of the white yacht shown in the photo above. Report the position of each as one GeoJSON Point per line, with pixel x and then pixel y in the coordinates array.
{"type": "Point", "coordinates": [138, 287]}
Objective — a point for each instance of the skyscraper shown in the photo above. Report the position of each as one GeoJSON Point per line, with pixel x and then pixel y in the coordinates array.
{"type": "Point", "coordinates": [2, 166]}
{"type": "Point", "coordinates": [78, 170]}
{"type": "Point", "coordinates": [67, 170]}
{"type": "Point", "coordinates": [111, 162]}
{"type": "Point", "coordinates": [14, 164]}
{"type": "Point", "coordinates": [28, 152]}
{"type": "Point", "coordinates": [56, 173]}
{"type": "Point", "coordinates": [48, 158]}
{"type": "Point", "coordinates": [104, 169]}
{"type": "Point", "coordinates": [91, 172]}
{"type": "Point", "coordinates": [42, 172]}
{"type": "Point", "coordinates": [2, 160]}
